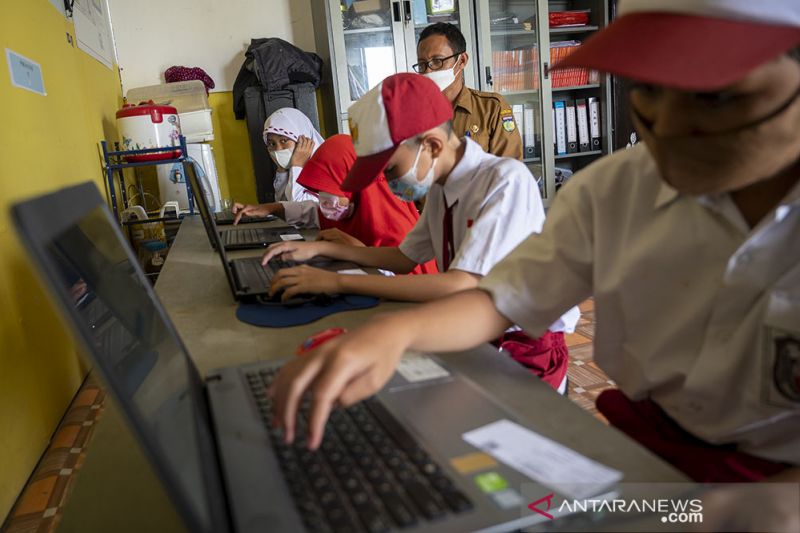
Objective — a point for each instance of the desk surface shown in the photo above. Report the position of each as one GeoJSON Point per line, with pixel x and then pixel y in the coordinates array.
{"type": "Point", "coordinates": [116, 489]}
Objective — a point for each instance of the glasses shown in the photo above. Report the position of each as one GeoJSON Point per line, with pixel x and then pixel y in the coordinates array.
{"type": "Point", "coordinates": [434, 64]}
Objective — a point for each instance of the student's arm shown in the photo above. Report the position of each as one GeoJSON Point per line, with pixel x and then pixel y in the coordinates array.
{"type": "Point", "coordinates": [257, 210]}
{"type": "Point", "coordinates": [305, 279]}
{"type": "Point", "coordinates": [547, 274]}
{"type": "Point", "coordinates": [385, 257]}
{"type": "Point", "coordinates": [354, 366]}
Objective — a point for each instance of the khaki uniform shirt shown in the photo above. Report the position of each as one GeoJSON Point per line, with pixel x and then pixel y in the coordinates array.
{"type": "Point", "coordinates": [487, 119]}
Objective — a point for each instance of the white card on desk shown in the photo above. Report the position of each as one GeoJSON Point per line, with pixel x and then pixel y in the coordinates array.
{"type": "Point", "coordinates": [292, 237]}
{"type": "Point", "coordinates": [417, 367]}
{"type": "Point", "coordinates": [352, 272]}
{"type": "Point", "coordinates": [543, 460]}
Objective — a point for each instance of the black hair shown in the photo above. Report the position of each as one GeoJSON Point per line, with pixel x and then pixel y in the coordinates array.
{"type": "Point", "coordinates": [454, 36]}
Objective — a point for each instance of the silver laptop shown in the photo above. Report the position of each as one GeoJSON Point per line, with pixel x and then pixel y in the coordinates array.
{"type": "Point", "coordinates": [384, 465]}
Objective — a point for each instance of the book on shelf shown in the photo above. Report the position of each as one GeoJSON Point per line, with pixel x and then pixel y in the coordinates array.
{"type": "Point", "coordinates": [528, 135]}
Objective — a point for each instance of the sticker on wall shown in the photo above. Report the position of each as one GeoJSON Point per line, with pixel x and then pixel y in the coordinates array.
{"type": "Point", "coordinates": [25, 73]}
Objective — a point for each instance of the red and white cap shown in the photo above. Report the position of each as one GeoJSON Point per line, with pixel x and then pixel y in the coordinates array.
{"type": "Point", "coordinates": [399, 108]}
{"type": "Point", "coordinates": [693, 45]}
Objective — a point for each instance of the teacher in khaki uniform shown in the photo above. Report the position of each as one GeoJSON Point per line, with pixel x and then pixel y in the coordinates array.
{"type": "Point", "coordinates": [484, 117]}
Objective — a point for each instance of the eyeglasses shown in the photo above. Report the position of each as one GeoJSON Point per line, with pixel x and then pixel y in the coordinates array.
{"type": "Point", "coordinates": [434, 64]}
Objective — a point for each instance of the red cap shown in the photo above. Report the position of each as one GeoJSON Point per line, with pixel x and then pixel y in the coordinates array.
{"type": "Point", "coordinates": [399, 108]}
{"type": "Point", "coordinates": [702, 45]}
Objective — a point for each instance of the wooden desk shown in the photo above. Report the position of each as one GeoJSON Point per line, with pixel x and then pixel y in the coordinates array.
{"type": "Point", "coordinates": [116, 489]}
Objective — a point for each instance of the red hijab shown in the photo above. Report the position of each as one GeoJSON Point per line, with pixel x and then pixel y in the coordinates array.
{"type": "Point", "coordinates": [379, 218]}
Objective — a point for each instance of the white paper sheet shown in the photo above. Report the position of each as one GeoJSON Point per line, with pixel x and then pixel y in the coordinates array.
{"type": "Point", "coordinates": [292, 237]}
{"type": "Point", "coordinates": [352, 272]}
{"type": "Point", "coordinates": [543, 460]}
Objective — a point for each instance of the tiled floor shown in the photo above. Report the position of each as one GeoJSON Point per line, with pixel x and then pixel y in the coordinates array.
{"type": "Point", "coordinates": [586, 380]}
{"type": "Point", "coordinates": [39, 507]}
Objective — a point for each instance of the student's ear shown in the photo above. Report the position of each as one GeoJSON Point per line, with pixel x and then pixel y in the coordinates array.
{"type": "Point", "coordinates": [435, 143]}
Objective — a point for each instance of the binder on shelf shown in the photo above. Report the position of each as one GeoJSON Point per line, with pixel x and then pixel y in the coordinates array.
{"type": "Point", "coordinates": [572, 128]}
{"type": "Point", "coordinates": [583, 125]}
{"type": "Point", "coordinates": [561, 127]}
{"type": "Point", "coordinates": [594, 122]}
{"type": "Point", "coordinates": [528, 139]}
{"type": "Point", "coordinates": [517, 109]}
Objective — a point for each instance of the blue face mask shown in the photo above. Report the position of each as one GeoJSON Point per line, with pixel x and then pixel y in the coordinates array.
{"type": "Point", "coordinates": [407, 188]}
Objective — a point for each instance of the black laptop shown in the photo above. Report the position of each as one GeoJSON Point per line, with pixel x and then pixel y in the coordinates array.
{"type": "Point", "coordinates": [239, 238]}
{"type": "Point", "coordinates": [385, 464]}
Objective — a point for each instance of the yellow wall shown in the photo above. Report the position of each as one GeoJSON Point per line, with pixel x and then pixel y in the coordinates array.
{"type": "Point", "coordinates": [231, 150]}
{"type": "Point", "coordinates": [46, 142]}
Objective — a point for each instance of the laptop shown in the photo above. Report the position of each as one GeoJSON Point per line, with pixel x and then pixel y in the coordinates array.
{"type": "Point", "coordinates": [226, 218]}
{"type": "Point", "coordinates": [239, 238]}
{"type": "Point", "coordinates": [384, 465]}
{"type": "Point", "coordinates": [248, 280]}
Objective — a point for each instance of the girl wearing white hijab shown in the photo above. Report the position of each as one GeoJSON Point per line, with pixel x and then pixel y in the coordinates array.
{"type": "Point", "coordinates": [291, 140]}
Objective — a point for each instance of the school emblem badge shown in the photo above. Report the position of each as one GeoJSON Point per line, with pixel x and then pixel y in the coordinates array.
{"type": "Point", "coordinates": [786, 370]}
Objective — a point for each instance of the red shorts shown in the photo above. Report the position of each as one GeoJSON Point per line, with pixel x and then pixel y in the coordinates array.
{"type": "Point", "coordinates": [547, 357]}
{"type": "Point", "coordinates": [648, 424]}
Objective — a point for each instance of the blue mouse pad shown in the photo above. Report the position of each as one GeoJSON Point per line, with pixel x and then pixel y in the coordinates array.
{"type": "Point", "coordinates": [281, 316]}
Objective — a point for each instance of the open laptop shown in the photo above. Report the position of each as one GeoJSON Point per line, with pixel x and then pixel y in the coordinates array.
{"type": "Point", "coordinates": [248, 279]}
{"type": "Point", "coordinates": [239, 238]}
{"type": "Point", "coordinates": [385, 464]}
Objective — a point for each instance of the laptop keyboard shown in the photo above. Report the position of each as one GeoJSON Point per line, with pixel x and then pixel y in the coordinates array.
{"type": "Point", "coordinates": [244, 236]}
{"type": "Point", "coordinates": [369, 474]}
{"type": "Point", "coordinates": [250, 268]}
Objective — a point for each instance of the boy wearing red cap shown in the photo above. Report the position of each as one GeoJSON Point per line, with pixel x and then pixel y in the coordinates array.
{"type": "Point", "coordinates": [479, 207]}
{"type": "Point", "coordinates": [689, 243]}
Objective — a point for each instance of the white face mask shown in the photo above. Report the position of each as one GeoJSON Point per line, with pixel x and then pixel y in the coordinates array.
{"type": "Point", "coordinates": [282, 157]}
{"type": "Point", "coordinates": [442, 78]}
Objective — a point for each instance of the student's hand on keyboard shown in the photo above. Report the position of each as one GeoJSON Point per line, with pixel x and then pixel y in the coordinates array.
{"type": "Point", "coordinates": [241, 210]}
{"type": "Point", "coordinates": [304, 279]}
{"type": "Point", "coordinates": [339, 237]}
{"type": "Point", "coordinates": [343, 371]}
{"type": "Point", "coordinates": [292, 251]}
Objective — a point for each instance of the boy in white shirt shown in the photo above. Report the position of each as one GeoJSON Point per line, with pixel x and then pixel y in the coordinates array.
{"type": "Point", "coordinates": [690, 245]}
{"type": "Point", "coordinates": [479, 207]}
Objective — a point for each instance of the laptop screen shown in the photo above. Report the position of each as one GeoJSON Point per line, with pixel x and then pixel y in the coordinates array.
{"type": "Point", "coordinates": [140, 356]}
{"type": "Point", "coordinates": [199, 195]}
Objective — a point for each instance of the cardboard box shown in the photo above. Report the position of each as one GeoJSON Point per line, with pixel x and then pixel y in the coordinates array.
{"type": "Point", "coordinates": [367, 6]}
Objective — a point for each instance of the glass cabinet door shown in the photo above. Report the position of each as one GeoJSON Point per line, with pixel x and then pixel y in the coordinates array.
{"type": "Point", "coordinates": [423, 13]}
{"type": "Point", "coordinates": [509, 47]}
{"type": "Point", "coordinates": [370, 29]}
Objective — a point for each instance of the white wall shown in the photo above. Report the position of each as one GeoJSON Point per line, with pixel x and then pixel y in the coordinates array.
{"type": "Point", "coordinates": [153, 35]}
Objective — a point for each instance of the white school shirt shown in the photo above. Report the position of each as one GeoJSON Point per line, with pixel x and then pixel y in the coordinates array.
{"type": "Point", "coordinates": [299, 204]}
{"type": "Point", "coordinates": [694, 309]}
{"type": "Point", "coordinates": [499, 205]}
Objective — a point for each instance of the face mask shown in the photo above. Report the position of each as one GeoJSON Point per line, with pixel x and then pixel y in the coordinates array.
{"type": "Point", "coordinates": [282, 157]}
{"type": "Point", "coordinates": [723, 162]}
{"type": "Point", "coordinates": [407, 188]}
{"type": "Point", "coordinates": [442, 78]}
{"type": "Point", "coordinates": [332, 209]}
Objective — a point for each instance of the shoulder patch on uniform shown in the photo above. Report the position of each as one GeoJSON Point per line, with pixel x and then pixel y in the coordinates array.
{"type": "Point", "coordinates": [506, 112]}
{"type": "Point", "coordinates": [508, 122]}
